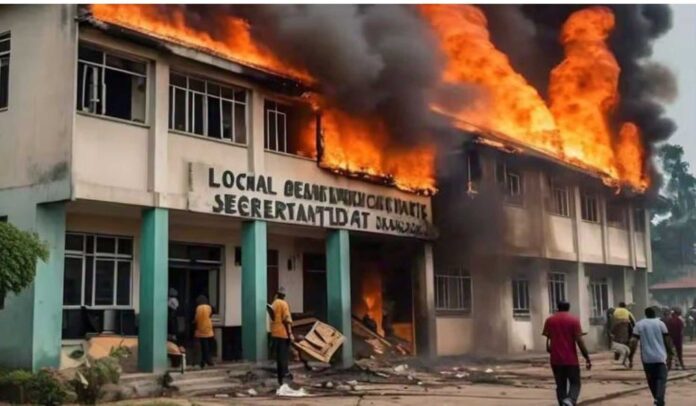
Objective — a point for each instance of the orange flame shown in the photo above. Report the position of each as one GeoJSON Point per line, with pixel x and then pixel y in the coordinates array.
{"type": "Point", "coordinates": [583, 94]}
{"type": "Point", "coordinates": [236, 44]}
{"type": "Point", "coordinates": [575, 126]}
{"type": "Point", "coordinates": [510, 105]}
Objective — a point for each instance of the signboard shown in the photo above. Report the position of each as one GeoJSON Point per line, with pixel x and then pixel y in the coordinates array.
{"type": "Point", "coordinates": [287, 200]}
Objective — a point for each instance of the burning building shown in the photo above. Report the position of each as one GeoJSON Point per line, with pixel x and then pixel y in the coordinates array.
{"type": "Point", "coordinates": [230, 150]}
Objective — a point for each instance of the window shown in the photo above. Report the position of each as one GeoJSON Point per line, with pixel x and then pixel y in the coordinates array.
{"type": "Point", "coordinates": [98, 270]}
{"type": "Point", "coordinates": [559, 199]}
{"type": "Point", "coordinates": [639, 220]}
{"type": "Point", "coordinates": [616, 214]}
{"type": "Point", "coordinates": [589, 207]}
{"type": "Point", "coordinates": [111, 85]}
{"type": "Point", "coordinates": [599, 294]}
{"type": "Point", "coordinates": [557, 290]}
{"type": "Point", "coordinates": [4, 69]}
{"type": "Point", "coordinates": [473, 170]}
{"type": "Point", "coordinates": [276, 127]}
{"type": "Point", "coordinates": [284, 124]}
{"type": "Point", "coordinates": [202, 107]}
{"type": "Point", "coordinates": [453, 291]}
{"type": "Point", "coordinates": [520, 297]}
{"type": "Point", "coordinates": [510, 181]}
{"type": "Point", "coordinates": [196, 269]}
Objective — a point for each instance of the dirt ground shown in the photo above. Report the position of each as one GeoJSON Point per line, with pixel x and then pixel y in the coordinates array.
{"type": "Point", "coordinates": [456, 381]}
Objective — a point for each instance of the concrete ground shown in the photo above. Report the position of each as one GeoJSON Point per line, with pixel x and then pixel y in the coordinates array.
{"type": "Point", "coordinates": [455, 381]}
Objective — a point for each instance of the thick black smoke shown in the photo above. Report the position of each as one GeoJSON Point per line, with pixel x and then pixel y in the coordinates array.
{"type": "Point", "coordinates": [643, 85]}
{"type": "Point", "coordinates": [372, 61]}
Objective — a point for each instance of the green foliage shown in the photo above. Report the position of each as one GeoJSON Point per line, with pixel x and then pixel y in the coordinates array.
{"type": "Point", "coordinates": [41, 388]}
{"type": "Point", "coordinates": [674, 236]}
{"type": "Point", "coordinates": [120, 352]}
{"type": "Point", "coordinates": [19, 251]}
{"type": "Point", "coordinates": [92, 376]}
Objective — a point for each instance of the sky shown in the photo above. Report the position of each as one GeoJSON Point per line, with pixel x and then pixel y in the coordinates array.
{"type": "Point", "coordinates": [677, 50]}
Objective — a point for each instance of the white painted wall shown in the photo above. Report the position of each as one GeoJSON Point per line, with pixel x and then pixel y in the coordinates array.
{"type": "Point", "coordinates": [110, 153]}
{"type": "Point", "coordinates": [560, 240]}
{"type": "Point", "coordinates": [619, 252]}
{"type": "Point", "coordinates": [590, 237]}
{"type": "Point", "coordinates": [36, 128]}
{"type": "Point", "coordinates": [522, 338]}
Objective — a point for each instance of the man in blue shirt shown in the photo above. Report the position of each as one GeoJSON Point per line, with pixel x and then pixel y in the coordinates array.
{"type": "Point", "coordinates": [654, 346]}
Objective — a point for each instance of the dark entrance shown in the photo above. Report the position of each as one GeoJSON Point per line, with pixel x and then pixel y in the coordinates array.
{"type": "Point", "coordinates": [194, 270]}
{"type": "Point", "coordinates": [314, 281]}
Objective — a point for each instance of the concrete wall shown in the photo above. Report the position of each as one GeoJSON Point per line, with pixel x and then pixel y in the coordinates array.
{"type": "Point", "coordinates": [36, 128]}
{"type": "Point", "coordinates": [454, 335]}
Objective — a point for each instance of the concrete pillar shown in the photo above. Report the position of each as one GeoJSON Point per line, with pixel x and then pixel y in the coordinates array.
{"type": "Point", "coordinates": [31, 321]}
{"type": "Point", "coordinates": [154, 276]}
{"type": "Point", "coordinates": [159, 132]}
{"type": "Point", "coordinates": [254, 334]}
{"type": "Point", "coordinates": [539, 302]}
{"type": "Point", "coordinates": [578, 296]}
{"type": "Point", "coordinates": [640, 292]}
{"type": "Point", "coordinates": [425, 321]}
{"type": "Point", "coordinates": [338, 289]}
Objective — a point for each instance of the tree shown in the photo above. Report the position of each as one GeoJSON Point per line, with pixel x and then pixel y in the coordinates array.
{"type": "Point", "coordinates": [674, 236]}
{"type": "Point", "coordinates": [19, 251]}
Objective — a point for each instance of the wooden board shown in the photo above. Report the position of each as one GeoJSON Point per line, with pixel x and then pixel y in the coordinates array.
{"type": "Point", "coordinates": [321, 342]}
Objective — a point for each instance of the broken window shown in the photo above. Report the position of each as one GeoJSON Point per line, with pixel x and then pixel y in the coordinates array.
{"type": "Point", "coordinates": [111, 85]}
{"type": "Point", "coordinates": [282, 128]}
{"type": "Point", "coordinates": [557, 290]}
{"type": "Point", "coordinates": [599, 294]}
{"type": "Point", "coordinates": [520, 297]}
{"type": "Point", "coordinates": [510, 181]}
{"type": "Point", "coordinates": [98, 271]}
{"type": "Point", "coordinates": [560, 198]}
{"type": "Point", "coordinates": [453, 291]}
{"type": "Point", "coordinates": [4, 69]}
{"type": "Point", "coordinates": [639, 220]}
{"type": "Point", "coordinates": [202, 107]}
{"type": "Point", "coordinates": [589, 207]}
{"type": "Point", "coordinates": [473, 169]}
{"type": "Point", "coordinates": [616, 214]}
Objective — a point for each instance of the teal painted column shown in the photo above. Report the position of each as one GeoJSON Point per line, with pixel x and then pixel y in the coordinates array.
{"type": "Point", "coordinates": [338, 289]}
{"type": "Point", "coordinates": [154, 275]}
{"type": "Point", "coordinates": [48, 287]}
{"type": "Point", "coordinates": [254, 334]}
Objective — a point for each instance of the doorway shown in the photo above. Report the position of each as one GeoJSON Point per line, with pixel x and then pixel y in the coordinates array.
{"type": "Point", "coordinates": [194, 270]}
{"type": "Point", "coordinates": [314, 281]}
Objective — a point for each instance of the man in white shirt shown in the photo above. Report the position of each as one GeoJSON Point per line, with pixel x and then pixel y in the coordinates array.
{"type": "Point", "coordinates": [654, 346]}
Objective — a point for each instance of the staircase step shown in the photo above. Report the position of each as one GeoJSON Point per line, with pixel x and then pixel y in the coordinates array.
{"type": "Point", "coordinates": [200, 381]}
{"type": "Point", "coordinates": [208, 389]}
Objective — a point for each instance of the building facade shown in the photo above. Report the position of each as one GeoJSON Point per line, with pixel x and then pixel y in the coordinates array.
{"type": "Point", "coordinates": [146, 165]}
{"type": "Point", "coordinates": [534, 231]}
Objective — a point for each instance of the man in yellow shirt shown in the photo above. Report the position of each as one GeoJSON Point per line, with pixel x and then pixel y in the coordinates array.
{"type": "Point", "coordinates": [204, 329]}
{"type": "Point", "coordinates": [281, 333]}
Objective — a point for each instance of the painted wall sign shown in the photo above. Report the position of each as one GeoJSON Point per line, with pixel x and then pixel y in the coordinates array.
{"type": "Point", "coordinates": [287, 200]}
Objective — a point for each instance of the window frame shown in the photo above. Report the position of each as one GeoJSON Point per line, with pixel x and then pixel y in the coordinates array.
{"type": "Point", "coordinates": [114, 257]}
{"type": "Point", "coordinates": [188, 91]}
{"type": "Point", "coordinates": [559, 191]}
{"type": "Point", "coordinates": [617, 208]}
{"type": "Point", "coordinates": [464, 286]}
{"type": "Point", "coordinates": [103, 66]}
{"type": "Point", "coordinates": [520, 298]}
{"type": "Point", "coordinates": [556, 280]}
{"type": "Point", "coordinates": [266, 127]}
{"type": "Point", "coordinates": [586, 197]}
{"type": "Point", "coordinates": [512, 197]}
{"type": "Point", "coordinates": [6, 37]}
{"type": "Point", "coordinates": [599, 289]}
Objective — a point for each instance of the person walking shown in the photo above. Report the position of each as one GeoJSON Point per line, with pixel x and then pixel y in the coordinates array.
{"type": "Point", "coordinates": [563, 332]}
{"type": "Point", "coordinates": [655, 345]}
{"type": "Point", "coordinates": [675, 327]}
{"type": "Point", "coordinates": [204, 330]}
{"type": "Point", "coordinates": [281, 334]}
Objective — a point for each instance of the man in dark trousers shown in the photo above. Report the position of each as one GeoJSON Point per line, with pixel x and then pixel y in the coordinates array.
{"type": "Point", "coordinates": [655, 345]}
{"type": "Point", "coordinates": [563, 333]}
{"type": "Point", "coordinates": [281, 333]}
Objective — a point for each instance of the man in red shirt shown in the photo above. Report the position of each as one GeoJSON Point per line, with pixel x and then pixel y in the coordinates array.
{"type": "Point", "coordinates": [563, 332]}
